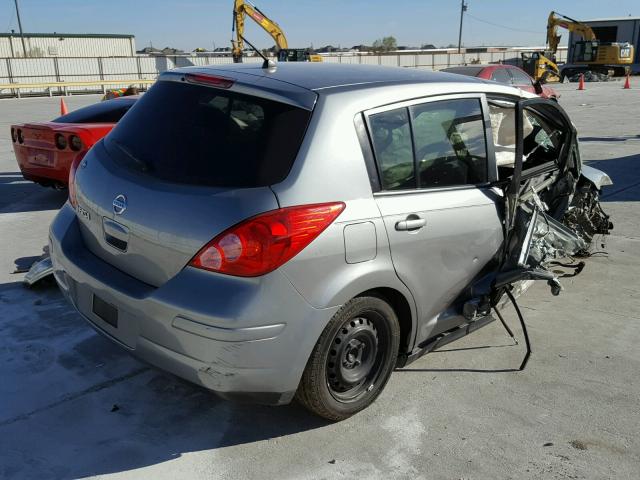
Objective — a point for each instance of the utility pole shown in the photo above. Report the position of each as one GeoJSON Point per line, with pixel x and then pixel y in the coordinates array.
{"type": "Point", "coordinates": [24, 48]}
{"type": "Point", "coordinates": [463, 8]}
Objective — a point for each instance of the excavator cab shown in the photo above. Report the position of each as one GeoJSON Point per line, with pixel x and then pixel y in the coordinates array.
{"type": "Point", "coordinates": [298, 55]}
{"type": "Point", "coordinates": [529, 62]}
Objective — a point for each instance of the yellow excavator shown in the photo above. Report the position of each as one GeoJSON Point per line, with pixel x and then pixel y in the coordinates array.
{"type": "Point", "coordinates": [609, 58]}
{"type": "Point", "coordinates": [243, 8]}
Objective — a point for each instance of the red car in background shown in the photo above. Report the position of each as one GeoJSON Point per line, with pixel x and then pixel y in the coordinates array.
{"type": "Point", "coordinates": [507, 74]}
{"type": "Point", "coordinates": [46, 150]}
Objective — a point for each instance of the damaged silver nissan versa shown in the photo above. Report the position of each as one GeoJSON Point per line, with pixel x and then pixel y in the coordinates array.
{"type": "Point", "coordinates": [302, 230]}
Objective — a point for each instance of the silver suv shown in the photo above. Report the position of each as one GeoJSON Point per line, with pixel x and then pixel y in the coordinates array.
{"type": "Point", "coordinates": [299, 231]}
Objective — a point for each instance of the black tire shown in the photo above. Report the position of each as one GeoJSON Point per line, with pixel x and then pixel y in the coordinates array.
{"type": "Point", "coordinates": [352, 360]}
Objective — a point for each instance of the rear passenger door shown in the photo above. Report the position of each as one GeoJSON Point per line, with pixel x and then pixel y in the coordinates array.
{"type": "Point", "coordinates": [435, 164]}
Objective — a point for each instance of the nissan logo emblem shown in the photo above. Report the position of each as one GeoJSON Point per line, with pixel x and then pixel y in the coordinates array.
{"type": "Point", "coordinates": [119, 204]}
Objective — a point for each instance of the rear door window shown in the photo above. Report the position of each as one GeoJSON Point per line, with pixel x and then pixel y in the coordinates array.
{"type": "Point", "coordinates": [435, 144]}
{"type": "Point", "coordinates": [392, 143]}
{"type": "Point", "coordinates": [450, 144]}
{"type": "Point", "coordinates": [199, 135]}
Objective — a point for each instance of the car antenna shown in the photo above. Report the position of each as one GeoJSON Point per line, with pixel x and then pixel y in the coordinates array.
{"type": "Point", "coordinates": [268, 64]}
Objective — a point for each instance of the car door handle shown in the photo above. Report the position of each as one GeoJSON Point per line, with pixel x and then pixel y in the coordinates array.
{"type": "Point", "coordinates": [410, 224]}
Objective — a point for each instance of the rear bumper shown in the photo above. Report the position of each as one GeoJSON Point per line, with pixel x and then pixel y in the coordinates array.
{"type": "Point", "coordinates": [242, 338]}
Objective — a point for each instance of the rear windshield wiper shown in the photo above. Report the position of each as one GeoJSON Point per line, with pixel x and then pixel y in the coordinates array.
{"type": "Point", "coordinates": [144, 166]}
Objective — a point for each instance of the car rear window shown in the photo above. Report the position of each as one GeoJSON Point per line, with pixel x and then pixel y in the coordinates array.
{"type": "Point", "coordinates": [200, 135]}
{"type": "Point", "coordinates": [501, 75]}
{"type": "Point", "coordinates": [109, 111]}
{"type": "Point", "coordinates": [520, 77]}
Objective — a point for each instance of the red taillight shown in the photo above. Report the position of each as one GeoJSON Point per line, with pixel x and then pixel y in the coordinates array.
{"type": "Point", "coordinates": [72, 179]}
{"type": "Point", "coordinates": [211, 80]}
{"type": "Point", "coordinates": [263, 243]}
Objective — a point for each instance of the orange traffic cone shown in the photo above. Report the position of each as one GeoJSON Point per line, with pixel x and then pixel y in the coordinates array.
{"type": "Point", "coordinates": [581, 82]}
{"type": "Point", "coordinates": [63, 107]}
{"type": "Point", "coordinates": [627, 83]}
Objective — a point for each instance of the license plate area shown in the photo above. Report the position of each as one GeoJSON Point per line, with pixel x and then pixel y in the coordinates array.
{"type": "Point", "coordinates": [105, 311]}
{"type": "Point", "coordinates": [40, 157]}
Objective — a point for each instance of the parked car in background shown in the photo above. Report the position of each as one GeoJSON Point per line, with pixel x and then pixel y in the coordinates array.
{"type": "Point", "coordinates": [507, 74]}
{"type": "Point", "coordinates": [302, 230]}
{"type": "Point", "coordinates": [46, 150]}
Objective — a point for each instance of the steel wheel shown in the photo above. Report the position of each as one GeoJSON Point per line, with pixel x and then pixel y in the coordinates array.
{"type": "Point", "coordinates": [352, 359]}
{"type": "Point", "coordinates": [354, 362]}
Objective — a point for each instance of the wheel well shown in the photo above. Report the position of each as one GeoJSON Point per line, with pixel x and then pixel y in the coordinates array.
{"type": "Point", "coordinates": [401, 306]}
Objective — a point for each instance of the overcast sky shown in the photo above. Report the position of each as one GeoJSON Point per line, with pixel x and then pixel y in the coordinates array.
{"type": "Point", "coordinates": [202, 23]}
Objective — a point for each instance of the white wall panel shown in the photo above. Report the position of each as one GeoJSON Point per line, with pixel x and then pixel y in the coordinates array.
{"type": "Point", "coordinates": [43, 70]}
{"type": "Point", "coordinates": [407, 60]}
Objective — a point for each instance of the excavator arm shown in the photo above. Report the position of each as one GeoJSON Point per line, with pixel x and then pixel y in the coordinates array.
{"type": "Point", "coordinates": [242, 8]}
{"type": "Point", "coordinates": [558, 20]}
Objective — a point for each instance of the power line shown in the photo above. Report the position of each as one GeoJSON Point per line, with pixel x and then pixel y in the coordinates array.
{"type": "Point", "coordinates": [502, 26]}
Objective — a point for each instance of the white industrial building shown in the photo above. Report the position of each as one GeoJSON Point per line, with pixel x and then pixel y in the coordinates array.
{"type": "Point", "coordinates": [619, 29]}
{"type": "Point", "coordinates": [40, 45]}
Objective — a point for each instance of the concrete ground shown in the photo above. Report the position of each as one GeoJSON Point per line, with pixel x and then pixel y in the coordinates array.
{"type": "Point", "coordinates": [74, 405]}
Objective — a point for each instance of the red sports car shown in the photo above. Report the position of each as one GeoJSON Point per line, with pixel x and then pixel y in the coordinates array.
{"type": "Point", "coordinates": [508, 74]}
{"type": "Point", "coordinates": [46, 150]}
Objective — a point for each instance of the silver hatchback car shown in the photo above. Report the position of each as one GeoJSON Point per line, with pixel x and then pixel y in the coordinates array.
{"type": "Point", "coordinates": [299, 231]}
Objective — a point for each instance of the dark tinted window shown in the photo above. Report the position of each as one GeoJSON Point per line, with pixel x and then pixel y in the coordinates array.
{"type": "Point", "coordinates": [468, 71]}
{"type": "Point", "coordinates": [109, 111]}
{"type": "Point", "coordinates": [501, 75]}
{"type": "Point", "coordinates": [293, 55]}
{"type": "Point", "coordinates": [520, 77]}
{"type": "Point", "coordinates": [584, 52]}
{"type": "Point", "coordinates": [201, 135]}
{"type": "Point", "coordinates": [445, 142]}
{"type": "Point", "coordinates": [450, 144]}
{"type": "Point", "coordinates": [393, 149]}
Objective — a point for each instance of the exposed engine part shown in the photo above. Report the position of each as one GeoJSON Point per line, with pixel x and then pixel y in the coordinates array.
{"type": "Point", "coordinates": [576, 267]}
{"type": "Point", "coordinates": [551, 240]}
{"type": "Point", "coordinates": [539, 243]}
{"type": "Point", "coordinates": [586, 217]}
